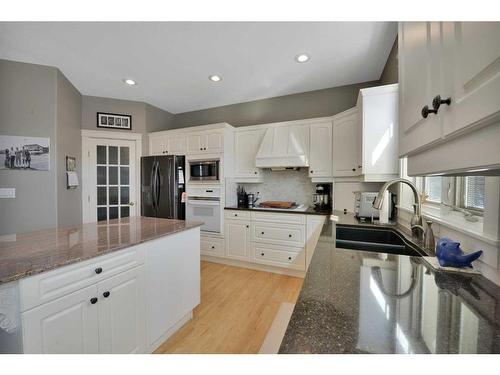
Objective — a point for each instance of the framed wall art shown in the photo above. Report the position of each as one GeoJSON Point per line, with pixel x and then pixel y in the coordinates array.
{"type": "Point", "coordinates": [114, 121]}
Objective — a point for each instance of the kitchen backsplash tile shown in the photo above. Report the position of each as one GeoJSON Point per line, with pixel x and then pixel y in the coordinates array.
{"type": "Point", "coordinates": [287, 185]}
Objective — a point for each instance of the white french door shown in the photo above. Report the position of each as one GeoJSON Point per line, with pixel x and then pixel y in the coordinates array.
{"type": "Point", "coordinates": [109, 179]}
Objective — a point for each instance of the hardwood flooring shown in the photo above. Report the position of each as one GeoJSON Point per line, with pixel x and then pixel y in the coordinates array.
{"type": "Point", "coordinates": [237, 308]}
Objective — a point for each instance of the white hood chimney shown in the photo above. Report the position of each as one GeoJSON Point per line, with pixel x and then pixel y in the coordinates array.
{"type": "Point", "coordinates": [284, 147]}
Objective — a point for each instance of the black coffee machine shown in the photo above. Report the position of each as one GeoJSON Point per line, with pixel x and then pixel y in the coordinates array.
{"type": "Point", "coordinates": [322, 199]}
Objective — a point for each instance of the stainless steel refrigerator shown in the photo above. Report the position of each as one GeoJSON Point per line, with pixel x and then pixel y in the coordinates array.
{"type": "Point", "coordinates": [162, 185]}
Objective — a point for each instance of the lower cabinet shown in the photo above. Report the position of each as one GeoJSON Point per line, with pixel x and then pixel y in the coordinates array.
{"type": "Point", "coordinates": [122, 313]}
{"type": "Point", "coordinates": [132, 311]}
{"type": "Point", "coordinates": [212, 246]}
{"type": "Point", "coordinates": [237, 239]}
{"type": "Point", "coordinates": [69, 324]}
{"type": "Point", "coordinates": [280, 256]}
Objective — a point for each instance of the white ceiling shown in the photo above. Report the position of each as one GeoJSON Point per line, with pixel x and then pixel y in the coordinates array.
{"type": "Point", "coordinates": [171, 61]}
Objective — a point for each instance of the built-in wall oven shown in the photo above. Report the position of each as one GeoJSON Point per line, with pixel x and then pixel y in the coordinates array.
{"type": "Point", "coordinates": [204, 204]}
{"type": "Point", "coordinates": [204, 170]}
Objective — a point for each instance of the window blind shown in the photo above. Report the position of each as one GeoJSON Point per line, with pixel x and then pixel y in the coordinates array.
{"type": "Point", "coordinates": [474, 192]}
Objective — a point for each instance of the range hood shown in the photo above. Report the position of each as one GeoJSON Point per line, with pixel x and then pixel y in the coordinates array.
{"type": "Point", "coordinates": [283, 147]}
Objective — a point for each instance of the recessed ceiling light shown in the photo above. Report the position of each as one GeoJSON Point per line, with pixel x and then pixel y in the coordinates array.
{"type": "Point", "coordinates": [215, 78]}
{"type": "Point", "coordinates": [302, 58]}
{"type": "Point", "coordinates": [129, 81]}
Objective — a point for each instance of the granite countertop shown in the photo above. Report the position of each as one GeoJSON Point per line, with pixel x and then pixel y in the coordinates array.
{"type": "Point", "coordinates": [35, 252]}
{"type": "Point", "coordinates": [365, 302]}
{"type": "Point", "coordinates": [309, 211]}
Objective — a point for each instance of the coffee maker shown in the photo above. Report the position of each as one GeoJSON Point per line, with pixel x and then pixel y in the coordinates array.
{"type": "Point", "coordinates": [322, 199]}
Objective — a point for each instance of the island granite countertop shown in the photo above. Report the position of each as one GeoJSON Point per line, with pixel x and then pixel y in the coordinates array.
{"type": "Point", "coordinates": [31, 253]}
{"type": "Point", "coordinates": [365, 302]}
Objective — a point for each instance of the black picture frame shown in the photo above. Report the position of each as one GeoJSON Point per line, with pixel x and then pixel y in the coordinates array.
{"type": "Point", "coordinates": [108, 121]}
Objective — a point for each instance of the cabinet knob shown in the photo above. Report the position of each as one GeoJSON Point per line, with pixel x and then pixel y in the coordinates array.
{"type": "Point", "coordinates": [248, 226]}
{"type": "Point", "coordinates": [437, 101]}
{"type": "Point", "coordinates": [360, 166]}
{"type": "Point", "coordinates": [426, 111]}
{"type": "Point", "coordinates": [93, 300]}
{"type": "Point", "coordinates": [311, 171]}
{"type": "Point", "coordinates": [204, 148]}
{"type": "Point", "coordinates": [235, 215]}
{"type": "Point", "coordinates": [213, 247]}
{"type": "Point", "coordinates": [290, 235]}
{"type": "Point", "coordinates": [289, 258]}
{"type": "Point", "coordinates": [98, 270]}
{"type": "Point", "coordinates": [106, 294]}
{"type": "Point", "coordinates": [201, 148]}
{"type": "Point", "coordinates": [255, 172]}
{"type": "Point", "coordinates": [262, 254]}
{"type": "Point", "coordinates": [354, 169]}
{"type": "Point", "coordinates": [262, 232]}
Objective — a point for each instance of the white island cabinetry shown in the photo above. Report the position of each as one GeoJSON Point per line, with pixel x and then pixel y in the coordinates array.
{"type": "Point", "coordinates": [128, 301]}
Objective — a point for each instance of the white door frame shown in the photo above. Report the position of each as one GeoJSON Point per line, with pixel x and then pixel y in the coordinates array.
{"type": "Point", "coordinates": [88, 136]}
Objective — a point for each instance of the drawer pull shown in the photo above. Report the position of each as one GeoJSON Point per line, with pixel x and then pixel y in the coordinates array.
{"type": "Point", "coordinates": [98, 270]}
{"type": "Point", "coordinates": [262, 233]}
{"type": "Point", "coordinates": [290, 235]}
{"type": "Point", "coordinates": [248, 226]}
{"type": "Point", "coordinates": [289, 258]}
{"type": "Point", "coordinates": [262, 254]}
{"type": "Point", "coordinates": [93, 300]}
{"type": "Point", "coordinates": [235, 215]}
{"type": "Point", "coordinates": [213, 247]}
{"type": "Point", "coordinates": [106, 294]}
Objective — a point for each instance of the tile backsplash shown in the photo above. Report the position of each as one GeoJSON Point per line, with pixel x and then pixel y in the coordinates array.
{"type": "Point", "coordinates": [287, 185]}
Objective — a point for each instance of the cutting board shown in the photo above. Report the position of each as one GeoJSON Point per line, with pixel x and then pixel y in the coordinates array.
{"type": "Point", "coordinates": [277, 204]}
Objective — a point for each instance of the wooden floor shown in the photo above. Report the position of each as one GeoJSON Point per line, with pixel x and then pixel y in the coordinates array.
{"type": "Point", "coordinates": [237, 308]}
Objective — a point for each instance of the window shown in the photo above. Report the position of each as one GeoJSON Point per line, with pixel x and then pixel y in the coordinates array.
{"type": "Point", "coordinates": [433, 187]}
{"type": "Point", "coordinates": [472, 195]}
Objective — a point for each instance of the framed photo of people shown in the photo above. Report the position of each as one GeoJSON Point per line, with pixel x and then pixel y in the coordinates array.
{"type": "Point", "coordinates": [24, 153]}
{"type": "Point", "coordinates": [114, 121]}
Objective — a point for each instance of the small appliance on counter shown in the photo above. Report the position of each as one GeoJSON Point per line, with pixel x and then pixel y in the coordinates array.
{"type": "Point", "coordinates": [363, 208]}
{"type": "Point", "coordinates": [241, 195]}
{"type": "Point", "coordinates": [322, 198]}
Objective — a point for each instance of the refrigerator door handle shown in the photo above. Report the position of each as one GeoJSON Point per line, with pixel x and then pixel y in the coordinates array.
{"type": "Point", "coordinates": [158, 184]}
{"type": "Point", "coordinates": [153, 188]}
{"type": "Point", "coordinates": [151, 183]}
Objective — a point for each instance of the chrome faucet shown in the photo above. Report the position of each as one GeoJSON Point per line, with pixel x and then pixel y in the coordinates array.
{"type": "Point", "coordinates": [416, 219]}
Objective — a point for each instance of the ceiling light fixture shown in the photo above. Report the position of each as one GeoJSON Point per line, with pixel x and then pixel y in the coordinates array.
{"type": "Point", "coordinates": [302, 58]}
{"type": "Point", "coordinates": [129, 81]}
{"type": "Point", "coordinates": [215, 78]}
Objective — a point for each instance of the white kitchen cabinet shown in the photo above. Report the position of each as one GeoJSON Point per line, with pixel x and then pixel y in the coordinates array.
{"type": "Point", "coordinates": [347, 144]}
{"type": "Point", "coordinates": [65, 325]}
{"type": "Point", "coordinates": [471, 71]}
{"type": "Point", "coordinates": [205, 142]}
{"type": "Point", "coordinates": [122, 313]}
{"type": "Point", "coordinates": [237, 239]}
{"type": "Point", "coordinates": [378, 114]}
{"type": "Point", "coordinates": [456, 60]}
{"type": "Point", "coordinates": [211, 246]}
{"type": "Point", "coordinates": [172, 282]}
{"type": "Point", "coordinates": [172, 144]}
{"type": "Point", "coordinates": [246, 145]}
{"type": "Point", "coordinates": [321, 143]}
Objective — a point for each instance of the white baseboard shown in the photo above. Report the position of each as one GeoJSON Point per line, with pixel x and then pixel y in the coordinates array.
{"type": "Point", "coordinates": [186, 318]}
{"type": "Point", "coordinates": [253, 266]}
{"type": "Point", "coordinates": [274, 337]}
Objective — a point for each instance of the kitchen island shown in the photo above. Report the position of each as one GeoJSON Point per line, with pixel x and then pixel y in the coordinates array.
{"type": "Point", "coordinates": [118, 286]}
{"type": "Point", "coordinates": [371, 302]}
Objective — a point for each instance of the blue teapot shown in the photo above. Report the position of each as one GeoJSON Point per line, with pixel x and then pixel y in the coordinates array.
{"type": "Point", "coordinates": [450, 254]}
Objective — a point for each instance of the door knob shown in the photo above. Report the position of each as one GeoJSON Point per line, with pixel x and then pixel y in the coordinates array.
{"type": "Point", "coordinates": [93, 300]}
{"type": "Point", "coordinates": [426, 111]}
{"type": "Point", "coordinates": [106, 294]}
{"type": "Point", "coordinates": [131, 204]}
{"type": "Point", "coordinates": [437, 101]}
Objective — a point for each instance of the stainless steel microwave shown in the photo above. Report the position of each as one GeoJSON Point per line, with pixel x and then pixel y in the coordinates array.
{"type": "Point", "coordinates": [204, 170]}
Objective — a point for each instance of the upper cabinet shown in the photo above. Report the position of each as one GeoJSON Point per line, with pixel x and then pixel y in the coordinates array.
{"type": "Point", "coordinates": [246, 144]}
{"type": "Point", "coordinates": [459, 61]}
{"type": "Point", "coordinates": [173, 144]}
{"type": "Point", "coordinates": [205, 142]}
{"type": "Point", "coordinates": [347, 144]}
{"type": "Point", "coordinates": [320, 154]}
{"type": "Point", "coordinates": [365, 138]}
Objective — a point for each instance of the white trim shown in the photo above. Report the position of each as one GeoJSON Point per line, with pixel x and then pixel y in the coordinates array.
{"type": "Point", "coordinates": [106, 134]}
{"type": "Point", "coordinates": [91, 135]}
{"type": "Point", "coordinates": [193, 129]}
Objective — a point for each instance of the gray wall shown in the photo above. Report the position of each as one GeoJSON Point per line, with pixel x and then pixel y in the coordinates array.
{"type": "Point", "coordinates": [310, 104]}
{"type": "Point", "coordinates": [28, 108]}
{"type": "Point", "coordinates": [157, 119]}
{"type": "Point", "coordinates": [390, 72]}
{"type": "Point", "coordinates": [69, 143]}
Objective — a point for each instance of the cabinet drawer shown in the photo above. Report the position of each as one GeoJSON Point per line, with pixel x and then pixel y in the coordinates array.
{"type": "Point", "coordinates": [280, 234]}
{"type": "Point", "coordinates": [279, 218]}
{"type": "Point", "coordinates": [212, 246]}
{"type": "Point", "coordinates": [279, 256]}
{"type": "Point", "coordinates": [237, 215]}
{"type": "Point", "coordinates": [47, 286]}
